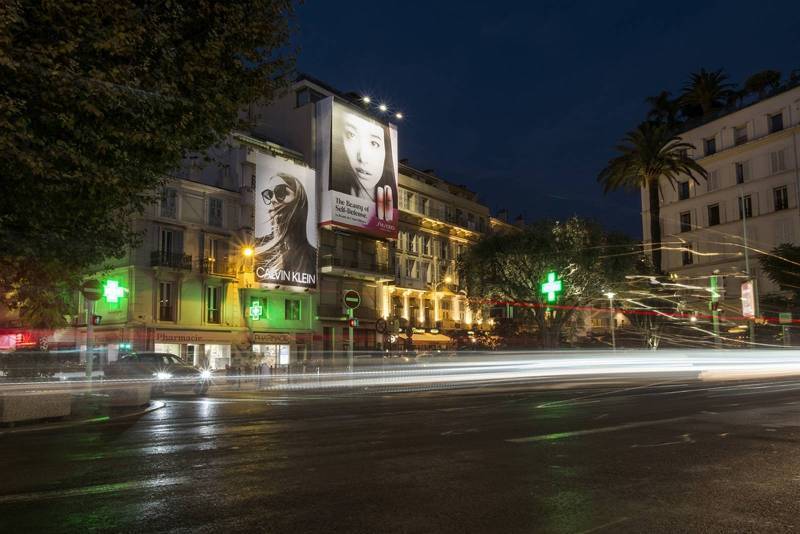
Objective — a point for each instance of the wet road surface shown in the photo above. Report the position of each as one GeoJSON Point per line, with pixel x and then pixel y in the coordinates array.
{"type": "Point", "coordinates": [570, 457]}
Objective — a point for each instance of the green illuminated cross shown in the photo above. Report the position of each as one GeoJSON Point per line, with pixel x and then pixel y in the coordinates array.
{"type": "Point", "coordinates": [551, 287]}
{"type": "Point", "coordinates": [112, 291]}
{"type": "Point", "coordinates": [256, 310]}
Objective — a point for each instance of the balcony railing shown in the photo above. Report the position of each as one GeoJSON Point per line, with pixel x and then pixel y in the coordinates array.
{"type": "Point", "coordinates": [175, 260]}
{"type": "Point", "coordinates": [331, 261]}
{"type": "Point", "coordinates": [218, 267]}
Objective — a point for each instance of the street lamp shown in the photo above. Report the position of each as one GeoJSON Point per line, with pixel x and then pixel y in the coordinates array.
{"type": "Point", "coordinates": [610, 295]}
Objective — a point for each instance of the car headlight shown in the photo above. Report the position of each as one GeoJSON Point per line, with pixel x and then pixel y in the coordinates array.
{"type": "Point", "coordinates": [162, 375]}
{"type": "Point", "coordinates": [205, 374]}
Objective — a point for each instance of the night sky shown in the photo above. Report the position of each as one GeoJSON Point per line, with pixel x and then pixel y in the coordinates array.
{"type": "Point", "coordinates": [524, 104]}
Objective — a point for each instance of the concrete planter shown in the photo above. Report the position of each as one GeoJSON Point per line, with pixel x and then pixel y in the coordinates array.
{"type": "Point", "coordinates": [127, 396]}
{"type": "Point", "coordinates": [30, 406]}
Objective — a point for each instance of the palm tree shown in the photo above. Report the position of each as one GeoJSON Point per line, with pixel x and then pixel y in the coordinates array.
{"type": "Point", "coordinates": [663, 109]}
{"type": "Point", "coordinates": [705, 89]}
{"type": "Point", "coordinates": [759, 82]}
{"type": "Point", "coordinates": [647, 154]}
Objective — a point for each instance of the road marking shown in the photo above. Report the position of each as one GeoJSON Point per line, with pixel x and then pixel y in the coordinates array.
{"type": "Point", "coordinates": [605, 525]}
{"type": "Point", "coordinates": [573, 433]}
{"type": "Point", "coordinates": [685, 438]}
{"type": "Point", "coordinates": [598, 394]}
{"type": "Point", "coordinates": [91, 490]}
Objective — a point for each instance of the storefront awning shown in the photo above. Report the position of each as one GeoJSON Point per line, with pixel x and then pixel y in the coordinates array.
{"type": "Point", "coordinates": [431, 338]}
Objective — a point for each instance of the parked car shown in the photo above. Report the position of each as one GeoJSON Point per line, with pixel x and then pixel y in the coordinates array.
{"type": "Point", "coordinates": [167, 371]}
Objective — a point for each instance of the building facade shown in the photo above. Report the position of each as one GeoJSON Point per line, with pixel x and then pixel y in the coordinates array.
{"type": "Point", "coordinates": [746, 207]}
{"type": "Point", "coordinates": [192, 287]}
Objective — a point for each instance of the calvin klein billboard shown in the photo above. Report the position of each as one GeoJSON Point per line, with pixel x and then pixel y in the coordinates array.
{"type": "Point", "coordinates": [358, 169]}
{"type": "Point", "coordinates": [286, 233]}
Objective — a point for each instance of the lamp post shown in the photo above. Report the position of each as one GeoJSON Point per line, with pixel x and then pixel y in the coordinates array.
{"type": "Point", "coordinates": [436, 306]}
{"type": "Point", "coordinates": [610, 296]}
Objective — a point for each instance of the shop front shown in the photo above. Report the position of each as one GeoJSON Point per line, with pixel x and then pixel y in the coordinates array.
{"type": "Point", "coordinates": [213, 349]}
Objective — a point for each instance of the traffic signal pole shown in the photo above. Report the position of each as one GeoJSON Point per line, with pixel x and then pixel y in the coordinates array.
{"type": "Point", "coordinates": [89, 338]}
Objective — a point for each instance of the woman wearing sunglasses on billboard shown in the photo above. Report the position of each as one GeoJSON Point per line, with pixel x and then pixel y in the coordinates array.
{"type": "Point", "coordinates": [363, 163]}
{"type": "Point", "coordinates": [285, 246]}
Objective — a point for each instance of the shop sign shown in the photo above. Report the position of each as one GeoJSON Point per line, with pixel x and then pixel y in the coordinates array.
{"type": "Point", "coordinates": [434, 331]}
{"type": "Point", "coordinates": [748, 300]}
{"type": "Point", "coordinates": [417, 330]}
{"type": "Point", "coordinates": [192, 336]}
{"type": "Point", "coordinates": [269, 338]}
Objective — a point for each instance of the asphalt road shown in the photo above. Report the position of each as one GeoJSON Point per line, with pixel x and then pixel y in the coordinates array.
{"type": "Point", "coordinates": [569, 456]}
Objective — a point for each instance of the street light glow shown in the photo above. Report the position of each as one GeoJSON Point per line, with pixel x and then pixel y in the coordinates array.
{"type": "Point", "coordinates": [366, 100]}
{"type": "Point", "coordinates": [383, 107]}
{"type": "Point", "coordinates": [398, 115]}
{"type": "Point", "coordinates": [448, 279]}
{"type": "Point", "coordinates": [247, 252]}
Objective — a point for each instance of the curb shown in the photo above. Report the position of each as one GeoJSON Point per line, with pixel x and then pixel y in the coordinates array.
{"type": "Point", "coordinates": [156, 405]}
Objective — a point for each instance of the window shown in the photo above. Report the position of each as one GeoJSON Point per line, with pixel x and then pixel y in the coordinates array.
{"type": "Point", "coordinates": [776, 123]}
{"type": "Point", "coordinates": [407, 199]}
{"type": "Point", "coordinates": [169, 203]}
{"type": "Point", "coordinates": [686, 221]}
{"type": "Point", "coordinates": [710, 145]}
{"type": "Point", "coordinates": [688, 254]}
{"type": "Point", "coordinates": [748, 207]}
{"type": "Point", "coordinates": [426, 272]}
{"type": "Point", "coordinates": [424, 205]}
{"type": "Point", "coordinates": [777, 161]}
{"type": "Point", "coordinates": [683, 190]}
{"type": "Point", "coordinates": [781, 197]}
{"type": "Point", "coordinates": [713, 214]}
{"type": "Point", "coordinates": [427, 246]}
{"type": "Point", "coordinates": [292, 309]}
{"type": "Point", "coordinates": [683, 153]}
{"type": "Point", "coordinates": [215, 212]}
{"type": "Point", "coordinates": [166, 305]}
{"type": "Point", "coordinates": [213, 295]}
{"type": "Point", "coordinates": [784, 232]}
{"type": "Point", "coordinates": [411, 268]}
{"type": "Point", "coordinates": [713, 180]}
{"type": "Point", "coordinates": [740, 135]}
{"type": "Point", "coordinates": [741, 173]}
{"type": "Point", "coordinates": [168, 241]}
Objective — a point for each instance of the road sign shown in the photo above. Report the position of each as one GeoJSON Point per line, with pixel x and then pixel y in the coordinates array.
{"type": "Point", "coordinates": [351, 299]}
{"type": "Point", "coordinates": [785, 318]}
{"type": "Point", "coordinates": [92, 290]}
{"type": "Point", "coordinates": [551, 287]}
{"type": "Point", "coordinates": [380, 326]}
{"type": "Point", "coordinates": [748, 300]}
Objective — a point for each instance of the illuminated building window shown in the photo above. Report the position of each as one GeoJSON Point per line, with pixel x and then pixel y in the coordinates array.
{"type": "Point", "coordinates": [292, 310]}
{"type": "Point", "coordinates": [166, 304]}
{"type": "Point", "coordinates": [213, 298]}
{"type": "Point", "coordinates": [169, 203]}
{"type": "Point", "coordinates": [215, 212]}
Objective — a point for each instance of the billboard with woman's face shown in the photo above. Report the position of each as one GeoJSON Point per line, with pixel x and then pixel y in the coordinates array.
{"type": "Point", "coordinates": [286, 231]}
{"type": "Point", "coordinates": [358, 166]}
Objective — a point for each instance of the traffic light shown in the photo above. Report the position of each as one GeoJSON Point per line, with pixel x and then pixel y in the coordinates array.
{"type": "Point", "coordinates": [352, 323]}
{"type": "Point", "coordinates": [97, 319]}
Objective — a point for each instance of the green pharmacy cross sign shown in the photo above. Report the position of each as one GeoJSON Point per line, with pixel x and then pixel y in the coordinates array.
{"type": "Point", "coordinates": [112, 291]}
{"type": "Point", "coordinates": [256, 310]}
{"type": "Point", "coordinates": [551, 287]}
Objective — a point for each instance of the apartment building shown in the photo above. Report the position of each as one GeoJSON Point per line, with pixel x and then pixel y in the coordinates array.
{"type": "Point", "coordinates": [748, 205]}
{"type": "Point", "coordinates": [438, 221]}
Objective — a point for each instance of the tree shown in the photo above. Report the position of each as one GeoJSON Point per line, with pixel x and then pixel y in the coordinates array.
{"type": "Point", "coordinates": [706, 90]}
{"type": "Point", "coordinates": [512, 266]}
{"type": "Point", "coordinates": [759, 82]}
{"type": "Point", "coordinates": [663, 109]}
{"type": "Point", "coordinates": [782, 266]}
{"type": "Point", "coordinates": [98, 101]}
{"type": "Point", "coordinates": [649, 153]}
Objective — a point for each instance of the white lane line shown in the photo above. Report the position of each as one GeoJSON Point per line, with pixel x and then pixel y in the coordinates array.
{"type": "Point", "coordinates": [598, 394]}
{"type": "Point", "coordinates": [573, 433]}
{"type": "Point", "coordinates": [91, 490]}
{"type": "Point", "coordinates": [605, 525]}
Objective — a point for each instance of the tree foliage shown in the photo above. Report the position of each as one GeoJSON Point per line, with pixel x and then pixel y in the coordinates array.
{"type": "Point", "coordinates": [782, 266]}
{"type": "Point", "coordinates": [511, 267]}
{"type": "Point", "coordinates": [759, 82]}
{"type": "Point", "coordinates": [707, 90]}
{"type": "Point", "coordinates": [647, 154]}
{"type": "Point", "coordinates": [98, 100]}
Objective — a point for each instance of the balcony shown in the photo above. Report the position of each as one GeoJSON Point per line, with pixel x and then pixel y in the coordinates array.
{"type": "Point", "coordinates": [217, 267]}
{"type": "Point", "coordinates": [174, 260]}
{"type": "Point", "coordinates": [354, 268]}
